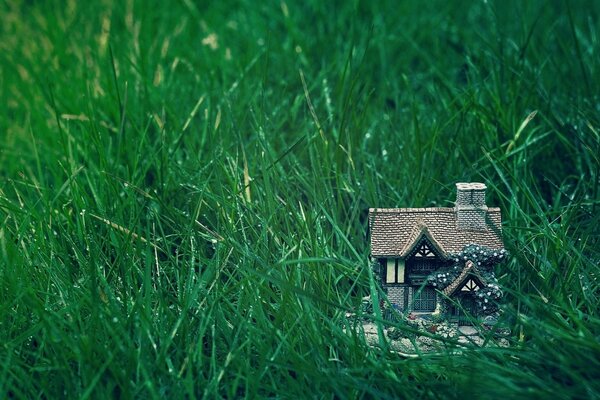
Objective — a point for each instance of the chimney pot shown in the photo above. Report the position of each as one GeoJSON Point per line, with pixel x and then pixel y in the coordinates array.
{"type": "Point", "coordinates": [470, 207]}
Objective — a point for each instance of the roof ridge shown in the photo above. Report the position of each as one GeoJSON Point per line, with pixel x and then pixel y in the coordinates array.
{"type": "Point", "coordinates": [422, 209]}
{"type": "Point", "coordinates": [412, 209]}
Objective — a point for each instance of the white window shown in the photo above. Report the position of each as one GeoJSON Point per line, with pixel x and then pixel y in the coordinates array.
{"type": "Point", "coordinates": [394, 270]}
{"type": "Point", "coordinates": [390, 271]}
{"type": "Point", "coordinates": [470, 286]}
{"type": "Point", "coordinates": [424, 251]}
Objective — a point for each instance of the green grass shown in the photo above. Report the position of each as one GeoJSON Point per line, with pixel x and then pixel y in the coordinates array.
{"type": "Point", "coordinates": [184, 191]}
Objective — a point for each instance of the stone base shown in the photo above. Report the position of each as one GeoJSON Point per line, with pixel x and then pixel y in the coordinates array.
{"type": "Point", "coordinates": [447, 337]}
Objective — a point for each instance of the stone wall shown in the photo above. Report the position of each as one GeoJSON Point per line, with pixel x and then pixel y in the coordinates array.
{"type": "Point", "coordinates": [471, 218]}
{"type": "Point", "coordinates": [396, 296]}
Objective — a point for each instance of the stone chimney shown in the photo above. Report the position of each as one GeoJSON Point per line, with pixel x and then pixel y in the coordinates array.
{"type": "Point", "coordinates": [470, 206]}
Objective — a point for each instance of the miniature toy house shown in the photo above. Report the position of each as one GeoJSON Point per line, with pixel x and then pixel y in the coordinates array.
{"type": "Point", "coordinates": [440, 260]}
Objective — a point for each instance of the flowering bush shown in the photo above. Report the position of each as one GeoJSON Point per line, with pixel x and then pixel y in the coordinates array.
{"type": "Point", "coordinates": [482, 256]}
{"type": "Point", "coordinates": [441, 278]}
{"type": "Point", "coordinates": [445, 330]}
{"type": "Point", "coordinates": [487, 298]}
{"type": "Point", "coordinates": [442, 329]}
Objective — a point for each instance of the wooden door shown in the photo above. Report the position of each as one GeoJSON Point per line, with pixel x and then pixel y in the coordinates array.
{"type": "Point", "coordinates": [466, 309]}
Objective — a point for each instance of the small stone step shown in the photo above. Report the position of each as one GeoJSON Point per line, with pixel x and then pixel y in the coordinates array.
{"type": "Point", "coordinates": [467, 330]}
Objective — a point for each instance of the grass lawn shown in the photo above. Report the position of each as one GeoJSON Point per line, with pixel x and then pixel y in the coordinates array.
{"type": "Point", "coordinates": [184, 190]}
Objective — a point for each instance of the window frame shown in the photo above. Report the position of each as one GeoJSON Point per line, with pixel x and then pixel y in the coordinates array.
{"type": "Point", "coordinates": [399, 266]}
{"type": "Point", "coordinates": [427, 304]}
{"type": "Point", "coordinates": [423, 266]}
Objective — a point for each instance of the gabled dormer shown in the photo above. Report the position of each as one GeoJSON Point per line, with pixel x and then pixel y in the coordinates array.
{"type": "Point", "coordinates": [422, 253]}
{"type": "Point", "coordinates": [422, 260]}
{"type": "Point", "coordinates": [421, 243]}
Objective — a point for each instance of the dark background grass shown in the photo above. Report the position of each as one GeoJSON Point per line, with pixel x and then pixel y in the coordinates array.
{"type": "Point", "coordinates": [184, 190]}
